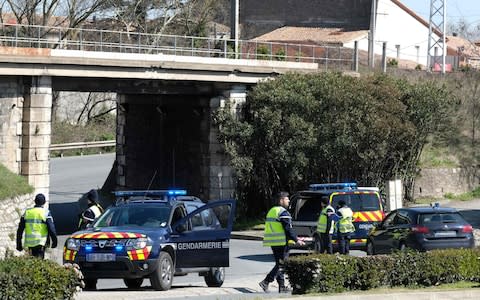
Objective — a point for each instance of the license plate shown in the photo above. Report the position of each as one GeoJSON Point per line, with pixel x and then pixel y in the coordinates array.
{"type": "Point", "coordinates": [100, 257]}
{"type": "Point", "coordinates": [365, 226]}
{"type": "Point", "coordinates": [445, 233]}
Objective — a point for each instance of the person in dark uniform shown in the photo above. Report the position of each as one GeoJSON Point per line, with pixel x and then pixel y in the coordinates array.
{"type": "Point", "coordinates": [93, 211]}
{"type": "Point", "coordinates": [37, 222]}
{"type": "Point", "coordinates": [326, 226]}
{"type": "Point", "coordinates": [278, 233]}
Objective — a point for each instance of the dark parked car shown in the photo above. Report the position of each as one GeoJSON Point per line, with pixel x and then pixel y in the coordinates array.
{"type": "Point", "coordinates": [420, 228]}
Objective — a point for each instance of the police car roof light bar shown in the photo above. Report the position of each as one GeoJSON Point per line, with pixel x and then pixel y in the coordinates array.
{"type": "Point", "coordinates": [149, 193]}
{"type": "Point", "coordinates": [333, 186]}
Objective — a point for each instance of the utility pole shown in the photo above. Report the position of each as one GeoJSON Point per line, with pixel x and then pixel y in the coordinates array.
{"type": "Point", "coordinates": [235, 23]}
{"type": "Point", "coordinates": [371, 36]}
{"type": "Point", "coordinates": [437, 25]}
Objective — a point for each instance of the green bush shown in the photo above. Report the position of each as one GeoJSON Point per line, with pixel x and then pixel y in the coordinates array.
{"type": "Point", "coordinates": [33, 278]}
{"type": "Point", "coordinates": [373, 272]}
{"type": "Point", "coordinates": [323, 273]}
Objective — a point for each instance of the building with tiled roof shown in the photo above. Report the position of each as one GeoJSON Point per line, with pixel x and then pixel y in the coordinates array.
{"type": "Point", "coordinates": [340, 23]}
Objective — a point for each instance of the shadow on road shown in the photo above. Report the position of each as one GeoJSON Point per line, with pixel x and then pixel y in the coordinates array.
{"type": "Point", "coordinates": [65, 216]}
{"type": "Point", "coordinates": [472, 216]}
{"type": "Point", "coordinates": [258, 257]}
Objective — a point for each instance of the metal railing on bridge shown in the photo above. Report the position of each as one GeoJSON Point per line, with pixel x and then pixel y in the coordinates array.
{"type": "Point", "coordinates": [34, 36]}
{"type": "Point", "coordinates": [81, 145]}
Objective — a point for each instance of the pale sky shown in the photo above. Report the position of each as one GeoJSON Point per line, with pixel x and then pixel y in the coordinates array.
{"type": "Point", "coordinates": [469, 10]}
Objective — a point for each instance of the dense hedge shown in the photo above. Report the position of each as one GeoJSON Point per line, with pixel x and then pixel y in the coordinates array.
{"type": "Point", "coordinates": [320, 273]}
{"type": "Point", "coordinates": [33, 278]}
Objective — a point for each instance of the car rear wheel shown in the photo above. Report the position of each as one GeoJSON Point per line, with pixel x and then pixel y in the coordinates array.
{"type": "Point", "coordinates": [134, 283]}
{"type": "Point", "coordinates": [215, 277]}
{"type": "Point", "coordinates": [162, 278]}
{"type": "Point", "coordinates": [317, 245]}
{"type": "Point", "coordinates": [90, 284]}
{"type": "Point", "coordinates": [370, 248]}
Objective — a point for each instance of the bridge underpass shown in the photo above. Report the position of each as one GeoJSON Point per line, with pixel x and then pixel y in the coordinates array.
{"type": "Point", "coordinates": [164, 113]}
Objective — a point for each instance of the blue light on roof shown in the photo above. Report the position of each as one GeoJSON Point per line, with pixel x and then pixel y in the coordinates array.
{"type": "Point", "coordinates": [177, 192]}
{"type": "Point", "coordinates": [333, 186]}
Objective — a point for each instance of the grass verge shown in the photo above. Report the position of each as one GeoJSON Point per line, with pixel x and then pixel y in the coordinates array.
{"type": "Point", "coordinates": [12, 185]}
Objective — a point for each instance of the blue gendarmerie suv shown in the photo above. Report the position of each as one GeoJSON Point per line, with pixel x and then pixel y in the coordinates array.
{"type": "Point", "coordinates": [155, 235]}
{"type": "Point", "coordinates": [422, 229]}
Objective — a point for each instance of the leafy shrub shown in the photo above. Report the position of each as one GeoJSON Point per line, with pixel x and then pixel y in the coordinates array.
{"type": "Point", "coordinates": [392, 62]}
{"type": "Point", "coordinates": [418, 67]}
{"type": "Point", "coordinates": [280, 54]}
{"type": "Point", "coordinates": [337, 273]}
{"type": "Point", "coordinates": [33, 278]}
{"type": "Point", "coordinates": [262, 52]}
{"type": "Point", "coordinates": [373, 272]}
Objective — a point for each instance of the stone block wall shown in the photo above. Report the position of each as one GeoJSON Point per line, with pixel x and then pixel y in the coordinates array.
{"type": "Point", "coordinates": [11, 113]}
{"type": "Point", "coordinates": [12, 209]}
{"type": "Point", "coordinates": [437, 182]}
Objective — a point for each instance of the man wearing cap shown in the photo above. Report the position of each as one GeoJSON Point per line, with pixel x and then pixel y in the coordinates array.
{"type": "Point", "coordinates": [37, 222]}
{"type": "Point", "coordinates": [93, 211]}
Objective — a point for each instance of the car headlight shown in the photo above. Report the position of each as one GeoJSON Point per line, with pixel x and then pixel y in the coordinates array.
{"type": "Point", "coordinates": [73, 244]}
{"type": "Point", "coordinates": [139, 243]}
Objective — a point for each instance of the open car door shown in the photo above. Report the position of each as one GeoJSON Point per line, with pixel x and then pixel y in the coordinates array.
{"type": "Point", "coordinates": [202, 237]}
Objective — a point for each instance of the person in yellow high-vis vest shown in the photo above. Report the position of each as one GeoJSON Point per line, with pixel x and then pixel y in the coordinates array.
{"type": "Point", "coordinates": [326, 226]}
{"type": "Point", "coordinates": [37, 223]}
{"type": "Point", "coordinates": [345, 227]}
{"type": "Point", "coordinates": [93, 211]}
{"type": "Point", "coordinates": [278, 234]}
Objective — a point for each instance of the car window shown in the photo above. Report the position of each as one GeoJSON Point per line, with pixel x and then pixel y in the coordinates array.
{"type": "Point", "coordinates": [431, 218]}
{"type": "Point", "coordinates": [401, 218]}
{"type": "Point", "coordinates": [389, 219]}
{"type": "Point", "coordinates": [211, 218]}
{"type": "Point", "coordinates": [309, 208]}
{"type": "Point", "coordinates": [142, 216]}
{"type": "Point", "coordinates": [358, 201]}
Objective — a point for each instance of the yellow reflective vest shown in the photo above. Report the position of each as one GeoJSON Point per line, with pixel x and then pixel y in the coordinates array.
{"type": "Point", "coordinates": [36, 230]}
{"type": "Point", "coordinates": [323, 219]}
{"type": "Point", "coordinates": [345, 224]}
{"type": "Point", "coordinates": [274, 234]}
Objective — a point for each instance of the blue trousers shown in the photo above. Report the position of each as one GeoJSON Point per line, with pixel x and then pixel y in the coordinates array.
{"type": "Point", "coordinates": [280, 253]}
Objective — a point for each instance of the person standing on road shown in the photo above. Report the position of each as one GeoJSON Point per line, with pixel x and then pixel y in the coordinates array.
{"type": "Point", "coordinates": [325, 226]}
{"type": "Point", "coordinates": [37, 222]}
{"type": "Point", "coordinates": [93, 211]}
{"type": "Point", "coordinates": [345, 227]}
{"type": "Point", "coordinates": [278, 234]}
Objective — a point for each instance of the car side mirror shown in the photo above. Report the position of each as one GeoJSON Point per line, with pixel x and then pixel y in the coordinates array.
{"type": "Point", "coordinates": [181, 228]}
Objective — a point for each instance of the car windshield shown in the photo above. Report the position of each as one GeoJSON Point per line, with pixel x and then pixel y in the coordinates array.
{"type": "Point", "coordinates": [141, 216]}
{"type": "Point", "coordinates": [359, 201]}
{"type": "Point", "coordinates": [432, 218]}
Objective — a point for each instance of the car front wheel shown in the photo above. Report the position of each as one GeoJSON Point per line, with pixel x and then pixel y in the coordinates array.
{"type": "Point", "coordinates": [90, 284]}
{"type": "Point", "coordinates": [162, 278]}
{"type": "Point", "coordinates": [370, 248]}
{"type": "Point", "coordinates": [317, 245]}
{"type": "Point", "coordinates": [215, 277]}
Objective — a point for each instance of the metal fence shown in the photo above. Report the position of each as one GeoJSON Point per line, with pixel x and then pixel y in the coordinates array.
{"type": "Point", "coordinates": [82, 145]}
{"type": "Point", "coordinates": [33, 36]}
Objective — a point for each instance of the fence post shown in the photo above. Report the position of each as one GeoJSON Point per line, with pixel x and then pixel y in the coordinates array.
{"type": "Point", "coordinates": [355, 56]}
{"type": "Point", "coordinates": [384, 57]}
